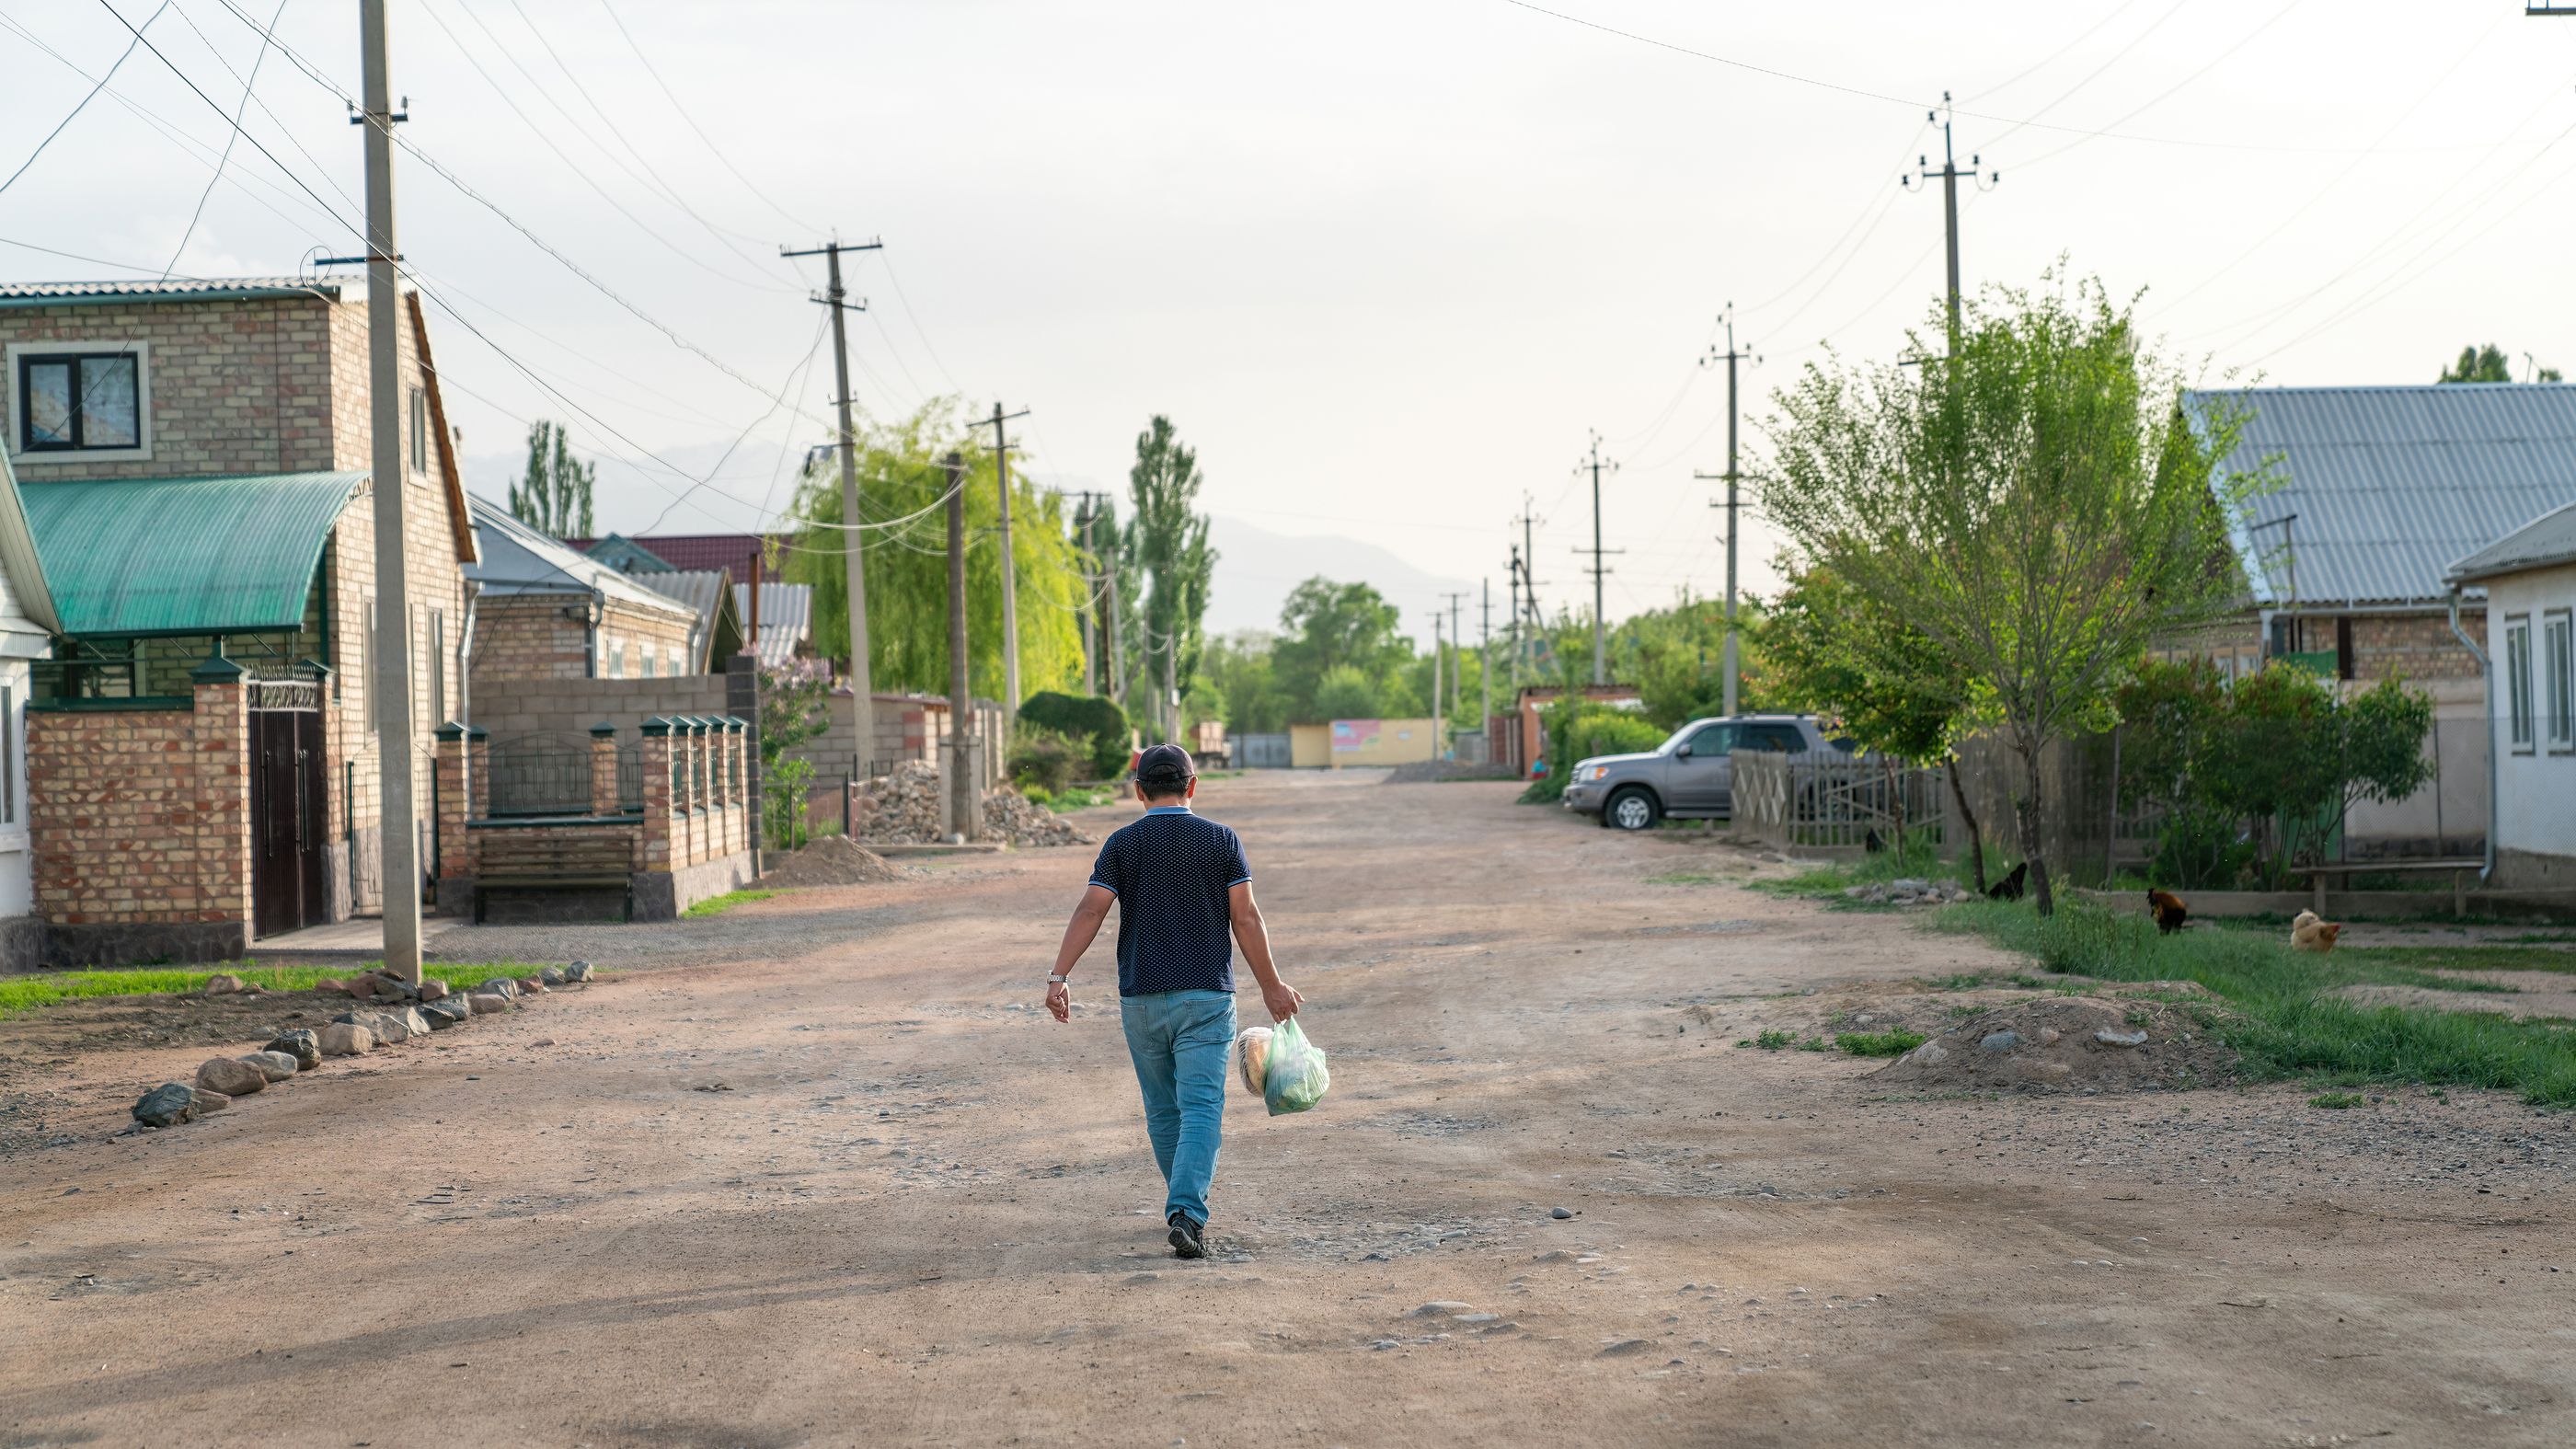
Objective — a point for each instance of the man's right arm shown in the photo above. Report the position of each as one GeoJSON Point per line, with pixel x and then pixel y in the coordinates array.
{"type": "Point", "coordinates": [1253, 935]}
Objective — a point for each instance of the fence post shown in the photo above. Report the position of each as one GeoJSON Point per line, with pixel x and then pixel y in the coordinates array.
{"type": "Point", "coordinates": [657, 794]}
{"type": "Point", "coordinates": [742, 701]}
{"type": "Point", "coordinates": [603, 768]}
{"type": "Point", "coordinates": [455, 854]}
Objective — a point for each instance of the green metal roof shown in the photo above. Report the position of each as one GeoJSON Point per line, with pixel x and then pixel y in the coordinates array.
{"type": "Point", "coordinates": [142, 556]}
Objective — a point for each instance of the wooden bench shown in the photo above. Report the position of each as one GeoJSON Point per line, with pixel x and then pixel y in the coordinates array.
{"type": "Point", "coordinates": [533, 857]}
{"type": "Point", "coordinates": [2346, 869]}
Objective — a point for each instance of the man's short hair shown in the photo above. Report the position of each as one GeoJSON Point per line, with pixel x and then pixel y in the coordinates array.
{"type": "Point", "coordinates": [1165, 770]}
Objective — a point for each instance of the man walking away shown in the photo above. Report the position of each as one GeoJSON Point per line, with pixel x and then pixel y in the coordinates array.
{"type": "Point", "coordinates": [1182, 888]}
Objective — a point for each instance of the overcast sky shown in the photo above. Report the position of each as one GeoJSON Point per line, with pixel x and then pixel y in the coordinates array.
{"type": "Point", "coordinates": [1386, 265]}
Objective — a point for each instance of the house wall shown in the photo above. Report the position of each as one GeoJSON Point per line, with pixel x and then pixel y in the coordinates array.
{"type": "Point", "coordinates": [522, 638]}
{"type": "Point", "coordinates": [569, 707]}
{"type": "Point", "coordinates": [2536, 785]}
{"type": "Point", "coordinates": [627, 630]}
{"type": "Point", "coordinates": [143, 850]}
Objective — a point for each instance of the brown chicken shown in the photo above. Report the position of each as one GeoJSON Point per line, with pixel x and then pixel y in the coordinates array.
{"type": "Point", "coordinates": [2307, 933]}
{"type": "Point", "coordinates": [2168, 910]}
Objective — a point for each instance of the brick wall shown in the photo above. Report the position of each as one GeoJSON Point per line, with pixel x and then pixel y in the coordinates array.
{"type": "Point", "coordinates": [523, 637]}
{"type": "Point", "coordinates": [141, 818]}
{"type": "Point", "coordinates": [569, 707]}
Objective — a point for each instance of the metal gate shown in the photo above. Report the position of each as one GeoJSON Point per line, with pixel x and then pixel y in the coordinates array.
{"type": "Point", "coordinates": [286, 820]}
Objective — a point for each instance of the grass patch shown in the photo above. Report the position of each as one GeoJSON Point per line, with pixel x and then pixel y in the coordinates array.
{"type": "Point", "coordinates": [1879, 1043]}
{"type": "Point", "coordinates": [2465, 958]}
{"type": "Point", "coordinates": [2337, 1101]}
{"type": "Point", "coordinates": [1770, 1040]}
{"type": "Point", "coordinates": [19, 994]}
{"type": "Point", "coordinates": [1075, 797]}
{"type": "Point", "coordinates": [718, 905]}
{"type": "Point", "coordinates": [1815, 1044]}
{"type": "Point", "coordinates": [2287, 1022]}
{"type": "Point", "coordinates": [1964, 981]}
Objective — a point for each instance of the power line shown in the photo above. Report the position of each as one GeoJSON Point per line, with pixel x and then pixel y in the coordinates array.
{"type": "Point", "coordinates": [2160, 97]}
{"type": "Point", "coordinates": [248, 85]}
{"type": "Point", "coordinates": [84, 101]}
{"type": "Point", "coordinates": [2095, 73]}
{"type": "Point", "coordinates": [2043, 62]}
{"type": "Point", "coordinates": [682, 111]}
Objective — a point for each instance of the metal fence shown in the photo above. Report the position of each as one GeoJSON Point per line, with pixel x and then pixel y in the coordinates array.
{"type": "Point", "coordinates": [549, 774]}
{"type": "Point", "coordinates": [1835, 802]}
{"type": "Point", "coordinates": [1261, 752]}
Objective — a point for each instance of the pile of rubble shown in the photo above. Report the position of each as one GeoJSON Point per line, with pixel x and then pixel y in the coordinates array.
{"type": "Point", "coordinates": [417, 1010]}
{"type": "Point", "coordinates": [832, 860]}
{"type": "Point", "coordinates": [1909, 892]}
{"type": "Point", "coordinates": [902, 808]}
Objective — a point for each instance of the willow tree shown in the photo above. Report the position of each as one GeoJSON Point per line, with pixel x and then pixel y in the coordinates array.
{"type": "Point", "coordinates": [902, 486]}
{"type": "Point", "coordinates": [2036, 504]}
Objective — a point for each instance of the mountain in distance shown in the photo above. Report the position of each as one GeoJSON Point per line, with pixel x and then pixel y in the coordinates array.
{"type": "Point", "coordinates": [1256, 568]}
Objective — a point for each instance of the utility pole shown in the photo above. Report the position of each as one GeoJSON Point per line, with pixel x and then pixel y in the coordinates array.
{"type": "Point", "coordinates": [1600, 573]}
{"type": "Point", "coordinates": [1096, 628]}
{"type": "Point", "coordinates": [834, 297]}
{"type": "Point", "coordinates": [1731, 356]}
{"type": "Point", "coordinates": [1485, 657]}
{"type": "Point", "coordinates": [1457, 669]}
{"type": "Point", "coordinates": [964, 816]}
{"type": "Point", "coordinates": [396, 742]}
{"type": "Point", "coordinates": [1437, 750]}
{"type": "Point", "coordinates": [1010, 579]}
{"type": "Point", "coordinates": [1949, 175]}
{"type": "Point", "coordinates": [1512, 619]}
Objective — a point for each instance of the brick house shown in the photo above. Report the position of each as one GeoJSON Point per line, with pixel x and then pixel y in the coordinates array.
{"type": "Point", "coordinates": [784, 612]}
{"type": "Point", "coordinates": [2346, 562]}
{"type": "Point", "coordinates": [546, 611]}
{"type": "Point", "coordinates": [195, 459]}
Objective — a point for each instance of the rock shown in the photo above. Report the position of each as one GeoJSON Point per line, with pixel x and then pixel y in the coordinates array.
{"type": "Point", "coordinates": [327, 986]}
{"type": "Point", "coordinates": [347, 1039]}
{"type": "Point", "coordinates": [1471, 1317]}
{"type": "Point", "coordinates": [443, 1014]}
{"type": "Point", "coordinates": [501, 986]}
{"type": "Point", "coordinates": [533, 986]}
{"type": "Point", "coordinates": [231, 1077]}
{"type": "Point", "coordinates": [361, 987]}
{"type": "Point", "coordinates": [554, 975]}
{"type": "Point", "coordinates": [388, 989]}
{"type": "Point", "coordinates": [1999, 1041]}
{"type": "Point", "coordinates": [403, 1025]}
{"type": "Point", "coordinates": [577, 971]}
{"type": "Point", "coordinates": [304, 1046]}
{"type": "Point", "coordinates": [1931, 1053]}
{"type": "Point", "coordinates": [487, 1003]}
{"type": "Point", "coordinates": [1625, 1347]}
{"type": "Point", "coordinates": [224, 983]}
{"type": "Point", "coordinates": [276, 1066]}
{"type": "Point", "coordinates": [434, 989]}
{"type": "Point", "coordinates": [208, 1101]}
{"type": "Point", "coordinates": [1560, 1214]}
{"type": "Point", "coordinates": [2108, 1037]}
{"type": "Point", "coordinates": [1442, 1308]}
{"type": "Point", "coordinates": [167, 1105]}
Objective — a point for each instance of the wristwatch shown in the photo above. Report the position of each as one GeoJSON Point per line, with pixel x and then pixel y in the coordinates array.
{"type": "Point", "coordinates": [1057, 980]}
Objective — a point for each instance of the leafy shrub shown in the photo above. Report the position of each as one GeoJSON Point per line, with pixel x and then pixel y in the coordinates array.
{"type": "Point", "coordinates": [1770, 1039]}
{"type": "Point", "coordinates": [1895, 1043]}
{"type": "Point", "coordinates": [1045, 761]}
{"type": "Point", "coordinates": [1095, 720]}
{"type": "Point", "coordinates": [782, 800]}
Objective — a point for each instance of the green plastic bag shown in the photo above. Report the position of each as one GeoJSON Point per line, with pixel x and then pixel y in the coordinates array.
{"type": "Point", "coordinates": [1297, 1074]}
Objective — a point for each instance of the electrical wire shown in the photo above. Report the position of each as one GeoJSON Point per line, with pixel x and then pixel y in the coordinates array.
{"type": "Point", "coordinates": [2043, 62]}
{"type": "Point", "coordinates": [682, 111]}
{"type": "Point", "coordinates": [812, 349]}
{"type": "Point", "coordinates": [2095, 73]}
{"type": "Point", "coordinates": [83, 103]}
{"type": "Point", "coordinates": [2167, 93]}
{"type": "Point", "coordinates": [249, 84]}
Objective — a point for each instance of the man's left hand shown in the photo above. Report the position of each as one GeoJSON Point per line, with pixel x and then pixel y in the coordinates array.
{"type": "Point", "coordinates": [1059, 1000]}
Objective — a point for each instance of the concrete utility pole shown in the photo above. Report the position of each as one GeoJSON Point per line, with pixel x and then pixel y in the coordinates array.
{"type": "Point", "coordinates": [1512, 620]}
{"type": "Point", "coordinates": [835, 298]}
{"type": "Point", "coordinates": [1731, 356]}
{"type": "Point", "coordinates": [1485, 657]}
{"type": "Point", "coordinates": [1949, 175]}
{"type": "Point", "coordinates": [965, 819]}
{"type": "Point", "coordinates": [1010, 578]}
{"type": "Point", "coordinates": [396, 740]}
{"type": "Point", "coordinates": [1438, 749]}
{"type": "Point", "coordinates": [1600, 573]}
{"type": "Point", "coordinates": [1457, 669]}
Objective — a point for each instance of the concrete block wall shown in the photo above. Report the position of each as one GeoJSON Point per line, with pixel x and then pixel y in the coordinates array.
{"type": "Point", "coordinates": [141, 829]}
{"type": "Point", "coordinates": [569, 707]}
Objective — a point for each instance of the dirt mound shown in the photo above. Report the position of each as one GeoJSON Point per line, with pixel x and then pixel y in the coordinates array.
{"type": "Point", "coordinates": [832, 860]}
{"type": "Point", "coordinates": [2068, 1044]}
{"type": "Point", "coordinates": [1422, 772]}
{"type": "Point", "coordinates": [902, 808]}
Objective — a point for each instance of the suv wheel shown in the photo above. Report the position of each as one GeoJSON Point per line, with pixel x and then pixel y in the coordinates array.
{"type": "Point", "coordinates": [1631, 809]}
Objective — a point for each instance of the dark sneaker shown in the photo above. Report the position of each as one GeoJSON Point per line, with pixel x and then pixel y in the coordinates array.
{"type": "Point", "coordinates": [1189, 1236]}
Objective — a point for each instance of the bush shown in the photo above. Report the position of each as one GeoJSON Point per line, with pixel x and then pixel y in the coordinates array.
{"type": "Point", "coordinates": [1609, 732]}
{"type": "Point", "coordinates": [1045, 761]}
{"type": "Point", "coordinates": [1093, 719]}
{"type": "Point", "coordinates": [782, 800]}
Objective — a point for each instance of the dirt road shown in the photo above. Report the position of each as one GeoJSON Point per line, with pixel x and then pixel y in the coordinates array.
{"type": "Point", "coordinates": [870, 1195]}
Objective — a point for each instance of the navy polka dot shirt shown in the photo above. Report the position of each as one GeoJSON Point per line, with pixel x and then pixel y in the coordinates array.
{"type": "Point", "coordinates": [1170, 871]}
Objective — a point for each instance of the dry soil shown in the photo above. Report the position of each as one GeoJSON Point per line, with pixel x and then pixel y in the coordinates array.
{"type": "Point", "coordinates": [859, 1190]}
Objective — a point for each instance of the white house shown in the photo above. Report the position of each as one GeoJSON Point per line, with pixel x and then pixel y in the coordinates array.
{"type": "Point", "coordinates": [27, 628]}
{"type": "Point", "coordinates": [2530, 580]}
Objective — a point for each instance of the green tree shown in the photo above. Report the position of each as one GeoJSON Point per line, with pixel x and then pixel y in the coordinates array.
{"type": "Point", "coordinates": [2034, 502]}
{"type": "Point", "coordinates": [1325, 626]}
{"type": "Point", "coordinates": [554, 496]}
{"type": "Point", "coordinates": [1347, 692]}
{"type": "Point", "coordinates": [2489, 364]}
{"type": "Point", "coordinates": [902, 488]}
{"type": "Point", "coordinates": [1239, 668]}
{"type": "Point", "coordinates": [1168, 537]}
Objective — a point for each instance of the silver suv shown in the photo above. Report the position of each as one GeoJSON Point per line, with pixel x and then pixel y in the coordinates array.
{"type": "Point", "coordinates": [1690, 776]}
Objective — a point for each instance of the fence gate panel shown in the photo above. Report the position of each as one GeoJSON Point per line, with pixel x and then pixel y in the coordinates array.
{"type": "Point", "coordinates": [286, 820]}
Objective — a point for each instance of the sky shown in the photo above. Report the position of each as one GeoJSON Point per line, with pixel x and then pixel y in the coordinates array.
{"type": "Point", "coordinates": [1390, 268]}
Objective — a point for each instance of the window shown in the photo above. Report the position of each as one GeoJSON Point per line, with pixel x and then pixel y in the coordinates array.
{"type": "Point", "coordinates": [2517, 679]}
{"type": "Point", "coordinates": [1711, 742]}
{"type": "Point", "coordinates": [420, 432]}
{"type": "Point", "coordinates": [80, 398]}
{"type": "Point", "coordinates": [437, 667]}
{"type": "Point", "coordinates": [2558, 673]}
{"type": "Point", "coordinates": [616, 658]}
{"type": "Point", "coordinates": [2343, 650]}
{"type": "Point", "coordinates": [8, 755]}
{"type": "Point", "coordinates": [1785, 739]}
{"type": "Point", "coordinates": [367, 665]}
{"type": "Point", "coordinates": [652, 653]}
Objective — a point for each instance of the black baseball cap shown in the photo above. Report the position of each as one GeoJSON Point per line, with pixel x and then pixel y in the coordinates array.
{"type": "Point", "coordinates": [1164, 767]}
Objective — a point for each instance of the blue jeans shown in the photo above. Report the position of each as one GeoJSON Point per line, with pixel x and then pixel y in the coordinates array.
{"type": "Point", "coordinates": [1183, 1046]}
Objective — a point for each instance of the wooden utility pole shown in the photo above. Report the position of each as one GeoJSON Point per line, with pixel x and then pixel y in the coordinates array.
{"type": "Point", "coordinates": [1010, 579]}
{"type": "Point", "coordinates": [1457, 669]}
{"type": "Point", "coordinates": [396, 742]}
{"type": "Point", "coordinates": [965, 815]}
{"type": "Point", "coordinates": [834, 297]}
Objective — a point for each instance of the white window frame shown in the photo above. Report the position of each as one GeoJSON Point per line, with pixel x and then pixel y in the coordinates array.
{"type": "Point", "coordinates": [140, 453]}
{"type": "Point", "coordinates": [418, 417]}
{"type": "Point", "coordinates": [2558, 680]}
{"type": "Point", "coordinates": [13, 759]}
{"type": "Point", "coordinates": [2519, 733]}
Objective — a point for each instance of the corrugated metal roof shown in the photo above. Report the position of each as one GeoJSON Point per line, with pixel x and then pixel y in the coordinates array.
{"type": "Point", "coordinates": [697, 588]}
{"type": "Point", "coordinates": [733, 551]}
{"type": "Point", "coordinates": [175, 289]}
{"type": "Point", "coordinates": [518, 559]}
{"type": "Point", "coordinates": [139, 556]}
{"type": "Point", "coordinates": [2544, 542]}
{"type": "Point", "coordinates": [2391, 483]}
{"type": "Point", "coordinates": [786, 618]}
